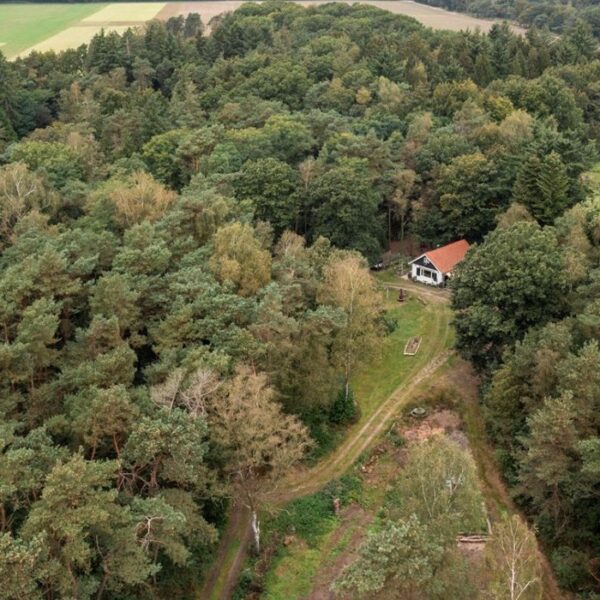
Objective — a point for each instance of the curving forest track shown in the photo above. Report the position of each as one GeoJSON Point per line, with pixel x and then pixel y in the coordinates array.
{"type": "Point", "coordinates": [234, 542]}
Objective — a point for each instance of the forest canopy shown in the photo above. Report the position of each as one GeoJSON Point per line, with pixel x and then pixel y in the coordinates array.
{"type": "Point", "coordinates": [184, 220]}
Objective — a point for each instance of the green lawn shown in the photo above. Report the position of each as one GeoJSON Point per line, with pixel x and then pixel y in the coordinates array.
{"type": "Point", "coordinates": [378, 380]}
{"type": "Point", "coordinates": [24, 25]}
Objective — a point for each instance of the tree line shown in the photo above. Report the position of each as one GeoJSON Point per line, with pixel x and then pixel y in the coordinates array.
{"type": "Point", "coordinates": [555, 15]}
{"type": "Point", "coordinates": [526, 304]}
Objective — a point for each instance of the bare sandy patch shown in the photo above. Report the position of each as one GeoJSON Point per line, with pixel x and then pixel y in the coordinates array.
{"type": "Point", "coordinates": [133, 12]}
{"type": "Point", "coordinates": [72, 37]}
{"type": "Point", "coordinates": [438, 423]}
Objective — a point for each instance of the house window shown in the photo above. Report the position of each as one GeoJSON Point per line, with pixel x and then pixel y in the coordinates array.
{"type": "Point", "coordinates": [428, 273]}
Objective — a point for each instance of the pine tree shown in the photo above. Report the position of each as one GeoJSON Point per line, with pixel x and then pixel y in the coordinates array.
{"type": "Point", "coordinates": [484, 72]}
{"type": "Point", "coordinates": [542, 186]}
{"type": "Point", "coordinates": [525, 189]}
{"type": "Point", "coordinates": [581, 42]}
{"type": "Point", "coordinates": [553, 184]}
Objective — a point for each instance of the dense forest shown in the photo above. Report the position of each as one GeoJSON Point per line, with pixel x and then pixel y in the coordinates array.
{"type": "Point", "coordinates": [183, 297]}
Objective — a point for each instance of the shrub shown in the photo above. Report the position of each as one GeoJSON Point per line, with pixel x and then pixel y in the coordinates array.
{"type": "Point", "coordinates": [344, 410]}
{"type": "Point", "coordinates": [570, 567]}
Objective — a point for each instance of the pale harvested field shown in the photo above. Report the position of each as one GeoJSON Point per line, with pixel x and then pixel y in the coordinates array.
{"type": "Point", "coordinates": [437, 18]}
{"type": "Point", "coordinates": [73, 37]}
{"type": "Point", "coordinates": [134, 12]}
{"type": "Point", "coordinates": [118, 17]}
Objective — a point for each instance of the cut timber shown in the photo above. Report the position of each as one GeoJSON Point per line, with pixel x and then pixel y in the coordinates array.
{"type": "Point", "coordinates": [478, 538]}
{"type": "Point", "coordinates": [412, 346]}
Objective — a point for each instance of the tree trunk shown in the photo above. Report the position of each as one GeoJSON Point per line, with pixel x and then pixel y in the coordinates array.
{"type": "Point", "coordinates": [102, 586]}
{"type": "Point", "coordinates": [256, 531]}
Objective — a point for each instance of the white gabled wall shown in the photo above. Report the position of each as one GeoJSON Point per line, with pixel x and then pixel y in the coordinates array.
{"type": "Point", "coordinates": [425, 275]}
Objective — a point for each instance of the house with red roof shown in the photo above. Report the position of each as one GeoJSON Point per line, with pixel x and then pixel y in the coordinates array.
{"type": "Point", "coordinates": [435, 267]}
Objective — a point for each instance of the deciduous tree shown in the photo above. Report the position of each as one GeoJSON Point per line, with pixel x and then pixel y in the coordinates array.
{"type": "Point", "coordinates": [260, 444]}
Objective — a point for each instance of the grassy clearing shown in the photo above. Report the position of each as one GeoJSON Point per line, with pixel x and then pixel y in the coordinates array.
{"type": "Point", "coordinates": [317, 539]}
{"type": "Point", "coordinates": [24, 25]}
{"type": "Point", "coordinates": [320, 536]}
{"type": "Point", "coordinates": [378, 380]}
{"type": "Point", "coordinates": [322, 543]}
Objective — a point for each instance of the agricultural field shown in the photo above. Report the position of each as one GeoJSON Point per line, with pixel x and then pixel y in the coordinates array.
{"type": "Point", "coordinates": [24, 25]}
{"type": "Point", "coordinates": [430, 16]}
{"type": "Point", "coordinates": [25, 28]}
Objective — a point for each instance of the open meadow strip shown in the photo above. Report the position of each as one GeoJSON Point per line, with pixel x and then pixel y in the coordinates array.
{"type": "Point", "coordinates": [72, 38]}
{"type": "Point", "coordinates": [25, 25]}
{"type": "Point", "coordinates": [382, 400]}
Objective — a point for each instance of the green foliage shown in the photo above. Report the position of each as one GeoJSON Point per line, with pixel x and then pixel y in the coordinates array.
{"type": "Point", "coordinates": [307, 517]}
{"type": "Point", "coordinates": [270, 185]}
{"type": "Point", "coordinates": [310, 517]}
{"type": "Point", "coordinates": [396, 438]}
{"type": "Point", "coordinates": [389, 322]}
{"type": "Point", "coordinates": [344, 409]}
{"type": "Point", "coordinates": [148, 186]}
{"type": "Point", "coordinates": [413, 547]}
{"type": "Point", "coordinates": [54, 160]}
{"type": "Point", "coordinates": [541, 407]}
{"type": "Point", "coordinates": [542, 186]}
{"type": "Point", "coordinates": [439, 485]}
{"type": "Point", "coordinates": [513, 281]}
{"type": "Point", "coordinates": [409, 556]}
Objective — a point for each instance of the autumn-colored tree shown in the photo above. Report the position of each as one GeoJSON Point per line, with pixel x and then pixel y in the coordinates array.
{"type": "Point", "coordinates": [260, 444]}
{"type": "Point", "coordinates": [20, 192]}
{"type": "Point", "coordinates": [140, 198]}
{"type": "Point", "coordinates": [349, 286]}
{"type": "Point", "coordinates": [239, 258]}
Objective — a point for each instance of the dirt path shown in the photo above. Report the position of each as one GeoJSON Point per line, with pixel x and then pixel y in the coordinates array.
{"type": "Point", "coordinates": [224, 574]}
{"type": "Point", "coordinates": [498, 499]}
{"type": "Point", "coordinates": [237, 532]}
{"type": "Point", "coordinates": [234, 544]}
{"type": "Point", "coordinates": [355, 520]}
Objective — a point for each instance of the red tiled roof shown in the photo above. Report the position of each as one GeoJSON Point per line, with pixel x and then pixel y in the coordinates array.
{"type": "Point", "coordinates": [447, 257]}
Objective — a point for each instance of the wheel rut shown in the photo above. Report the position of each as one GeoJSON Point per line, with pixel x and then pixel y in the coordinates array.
{"type": "Point", "coordinates": [309, 480]}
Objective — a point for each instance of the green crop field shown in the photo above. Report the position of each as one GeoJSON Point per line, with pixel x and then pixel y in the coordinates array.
{"type": "Point", "coordinates": [24, 25]}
